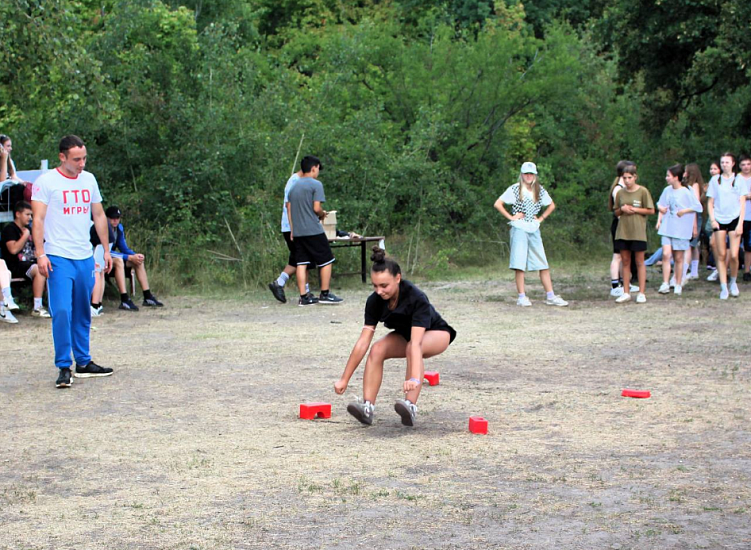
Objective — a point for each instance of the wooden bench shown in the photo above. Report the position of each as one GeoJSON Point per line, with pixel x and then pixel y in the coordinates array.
{"type": "Point", "coordinates": [362, 242]}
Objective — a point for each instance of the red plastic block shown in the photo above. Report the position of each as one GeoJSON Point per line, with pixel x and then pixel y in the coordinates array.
{"type": "Point", "coordinates": [478, 425]}
{"type": "Point", "coordinates": [639, 394]}
{"type": "Point", "coordinates": [432, 377]}
{"type": "Point", "coordinates": [310, 411]}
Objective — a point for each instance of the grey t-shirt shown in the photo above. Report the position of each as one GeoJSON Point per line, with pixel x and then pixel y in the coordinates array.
{"type": "Point", "coordinates": [301, 197]}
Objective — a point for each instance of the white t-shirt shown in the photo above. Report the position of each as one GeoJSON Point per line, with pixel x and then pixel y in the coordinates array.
{"type": "Point", "coordinates": [285, 220]}
{"type": "Point", "coordinates": [747, 182]}
{"type": "Point", "coordinates": [727, 204]}
{"type": "Point", "coordinates": [68, 200]}
{"type": "Point", "coordinates": [675, 200]}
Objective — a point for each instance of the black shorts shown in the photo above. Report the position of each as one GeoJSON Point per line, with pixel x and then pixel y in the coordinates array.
{"type": "Point", "coordinates": [729, 226]}
{"type": "Point", "coordinates": [21, 269]}
{"type": "Point", "coordinates": [313, 249]}
{"type": "Point", "coordinates": [291, 247]}
{"type": "Point", "coordinates": [613, 229]}
{"type": "Point", "coordinates": [408, 335]}
{"type": "Point", "coordinates": [747, 235]}
{"type": "Point", "coordinates": [633, 246]}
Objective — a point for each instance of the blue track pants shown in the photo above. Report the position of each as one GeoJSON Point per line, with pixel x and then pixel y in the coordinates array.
{"type": "Point", "coordinates": [69, 289]}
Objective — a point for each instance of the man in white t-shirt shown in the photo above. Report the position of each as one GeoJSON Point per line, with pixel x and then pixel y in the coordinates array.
{"type": "Point", "coordinates": [63, 202]}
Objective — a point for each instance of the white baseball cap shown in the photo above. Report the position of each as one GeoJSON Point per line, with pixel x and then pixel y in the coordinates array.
{"type": "Point", "coordinates": [529, 168]}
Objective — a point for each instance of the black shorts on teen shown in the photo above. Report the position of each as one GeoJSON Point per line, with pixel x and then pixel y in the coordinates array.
{"type": "Point", "coordinates": [291, 247]}
{"type": "Point", "coordinates": [747, 235]}
{"type": "Point", "coordinates": [21, 269]}
{"type": "Point", "coordinates": [445, 328]}
{"type": "Point", "coordinates": [728, 226]}
{"type": "Point", "coordinates": [313, 249]}
{"type": "Point", "coordinates": [633, 246]}
{"type": "Point", "coordinates": [613, 229]}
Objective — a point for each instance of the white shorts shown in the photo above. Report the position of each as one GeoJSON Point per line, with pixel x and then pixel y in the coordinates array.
{"type": "Point", "coordinates": [527, 252]}
{"type": "Point", "coordinates": [99, 258]}
{"type": "Point", "coordinates": [676, 244]}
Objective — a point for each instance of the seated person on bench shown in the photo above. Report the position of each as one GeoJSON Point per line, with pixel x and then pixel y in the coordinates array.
{"type": "Point", "coordinates": [7, 303]}
{"type": "Point", "coordinates": [97, 295]}
{"type": "Point", "coordinates": [17, 249]}
{"type": "Point", "coordinates": [122, 254]}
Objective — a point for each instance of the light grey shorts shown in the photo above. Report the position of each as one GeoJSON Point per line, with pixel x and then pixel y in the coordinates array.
{"type": "Point", "coordinates": [99, 258]}
{"type": "Point", "coordinates": [676, 244]}
{"type": "Point", "coordinates": [527, 252]}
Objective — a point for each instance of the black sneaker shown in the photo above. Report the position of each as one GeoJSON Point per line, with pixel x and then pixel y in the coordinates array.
{"type": "Point", "coordinates": [128, 305]}
{"type": "Point", "coordinates": [91, 370]}
{"type": "Point", "coordinates": [63, 380]}
{"type": "Point", "coordinates": [746, 277]}
{"type": "Point", "coordinates": [307, 300]}
{"type": "Point", "coordinates": [329, 298]}
{"type": "Point", "coordinates": [151, 301]}
{"type": "Point", "coordinates": [277, 291]}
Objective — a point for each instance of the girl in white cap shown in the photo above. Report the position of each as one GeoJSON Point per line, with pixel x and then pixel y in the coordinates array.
{"type": "Point", "coordinates": [527, 198]}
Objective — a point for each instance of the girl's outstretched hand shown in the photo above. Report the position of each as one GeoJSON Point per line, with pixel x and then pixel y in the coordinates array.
{"type": "Point", "coordinates": [340, 386]}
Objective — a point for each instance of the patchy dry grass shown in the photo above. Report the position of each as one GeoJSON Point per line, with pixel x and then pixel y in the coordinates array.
{"type": "Point", "coordinates": [194, 443]}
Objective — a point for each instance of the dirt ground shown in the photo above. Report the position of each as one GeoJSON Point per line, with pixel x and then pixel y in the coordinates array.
{"type": "Point", "coordinates": [195, 442]}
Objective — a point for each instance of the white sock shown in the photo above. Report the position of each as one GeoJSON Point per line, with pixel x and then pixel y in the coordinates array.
{"type": "Point", "coordinates": [37, 303]}
{"type": "Point", "coordinates": [522, 295]}
{"type": "Point", "coordinates": [307, 287]}
{"type": "Point", "coordinates": [733, 279]}
{"type": "Point", "coordinates": [685, 270]}
{"type": "Point", "coordinates": [694, 268]}
{"type": "Point", "coordinates": [282, 280]}
{"type": "Point", "coordinates": [6, 293]}
{"type": "Point", "coordinates": [550, 295]}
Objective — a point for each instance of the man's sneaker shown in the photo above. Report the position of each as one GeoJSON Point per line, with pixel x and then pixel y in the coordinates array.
{"type": "Point", "coordinates": [678, 290]}
{"type": "Point", "coordinates": [91, 370]}
{"type": "Point", "coordinates": [329, 298]}
{"type": "Point", "coordinates": [364, 412]}
{"type": "Point", "coordinates": [11, 304]}
{"type": "Point", "coordinates": [95, 311]}
{"type": "Point", "coordinates": [556, 301]}
{"type": "Point", "coordinates": [7, 317]}
{"type": "Point", "coordinates": [406, 410]}
{"type": "Point", "coordinates": [523, 301]}
{"type": "Point", "coordinates": [623, 298]}
{"type": "Point", "coordinates": [151, 301]}
{"type": "Point", "coordinates": [128, 305]}
{"type": "Point", "coordinates": [617, 291]}
{"type": "Point", "coordinates": [664, 288]}
{"type": "Point", "coordinates": [63, 379]}
{"type": "Point", "coordinates": [307, 300]}
{"type": "Point", "coordinates": [746, 277]}
{"type": "Point", "coordinates": [724, 294]}
{"type": "Point", "coordinates": [713, 276]}
{"type": "Point", "coordinates": [734, 292]}
{"type": "Point", "coordinates": [41, 312]}
{"type": "Point", "coordinates": [277, 291]}
{"type": "Point", "coordinates": [641, 298]}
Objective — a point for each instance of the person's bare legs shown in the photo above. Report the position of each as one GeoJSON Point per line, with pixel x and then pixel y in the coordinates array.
{"type": "Point", "coordinates": [98, 293]}
{"type": "Point", "coordinates": [667, 253]}
{"type": "Point", "coordinates": [615, 267]}
{"type": "Point", "coordinates": [325, 275]}
{"type": "Point", "coordinates": [546, 281]}
{"type": "Point", "coordinates": [641, 271]}
{"type": "Point", "coordinates": [301, 274]}
{"type": "Point", "coordinates": [391, 346]}
{"type": "Point", "coordinates": [519, 279]}
{"type": "Point", "coordinates": [434, 342]}
{"type": "Point", "coordinates": [626, 270]}
{"type": "Point", "coordinates": [118, 268]}
{"type": "Point", "coordinates": [720, 256]}
{"type": "Point", "coordinates": [679, 255]}
{"type": "Point", "coordinates": [140, 270]}
{"type": "Point", "coordinates": [734, 252]}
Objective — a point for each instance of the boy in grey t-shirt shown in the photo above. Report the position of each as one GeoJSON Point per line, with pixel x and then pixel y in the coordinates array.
{"type": "Point", "coordinates": [311, 245]}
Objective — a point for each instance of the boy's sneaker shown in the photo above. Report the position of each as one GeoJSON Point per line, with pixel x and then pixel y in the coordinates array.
{"type": "Point", "coordinates": [7, 317]}
{"type": "Point", "coordinates": [678, 290]}
{"type": "Point", "coordinates": [11, 304]}
{"type": "Point", "coordinates": [41, 312]}
{"type": "Point", "coordinates": [556, 301]}
{"type": "Point", "coordinates": [623, 298]}
{"type": "Point", "coordinates": [128, 305]}
{"type": "Point", "coordinates": [641, 298]}
{"type": "Point", "coordinates": [151, 301]}
{"type": "Point", "coordinates": [277, 291]}
{"type": "Point", "coordinates": [734, 292]}
{"type": "Point", "coordinates": [523, 302]}
{"type": "Point", "coordinates": [307, 300]}
{"type": "Point", "coordinates": [713, 276]}
{"type": "Point", "coordinates": [63, 379]}
{"type": "Point", "coordinates": [664, 288]}
{"type": "Point", "coordinates": [95, 311]}
{"type": "Point", "coordinates": [407, 411]}
{"type": "Point", "coordinates": [617, 291]}
{"type": "Point", "coordinates": [91, 370]}
{"type": "Point", "coordinates": [329, 298]}
{"type": "Point", "coordinates": [364, 412]}
{"type": "Point", "coordinates": [724, 294]}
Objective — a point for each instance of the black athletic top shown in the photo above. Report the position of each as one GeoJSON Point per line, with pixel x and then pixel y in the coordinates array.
{"type": "Point", "coordinates": [412, 310]}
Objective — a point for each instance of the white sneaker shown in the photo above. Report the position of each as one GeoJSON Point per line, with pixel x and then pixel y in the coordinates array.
{"type": "Point", "coordinates": [678, 290]}
{"type": "Point", "coordinates": [641, 299]}
{"type": "Point", "coordinates": [724, 294]}
{"type": "Point", "coordinates": [41, 312]}
{"type": "Point", "coordinates": [734, 292]}
{"type": "Point", "coordinates": [713, 276]}
{"type": "Point", "coordinates": [623, 298]}
{"type": "Point", "coordinates": [664, 288]}
{"type": "Point", "coordinates": [10, 304]}
{"type": "Point", "coordinates": [633, 288]}
{"type": "Point", "coordinates": [672, 281]}
{"type": "Point", "coordinates": [556, 301]}
{"type": "Point", "coordinates": [94, 311]}
{"type": "Point", "coordinates": [617, 291]}
{"type": "Point", "coordinates": [7, 317]}
{"type": "Point", "coordinates": [407, 410]}
{"type": "Point", "coordinates": [523, 301]}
